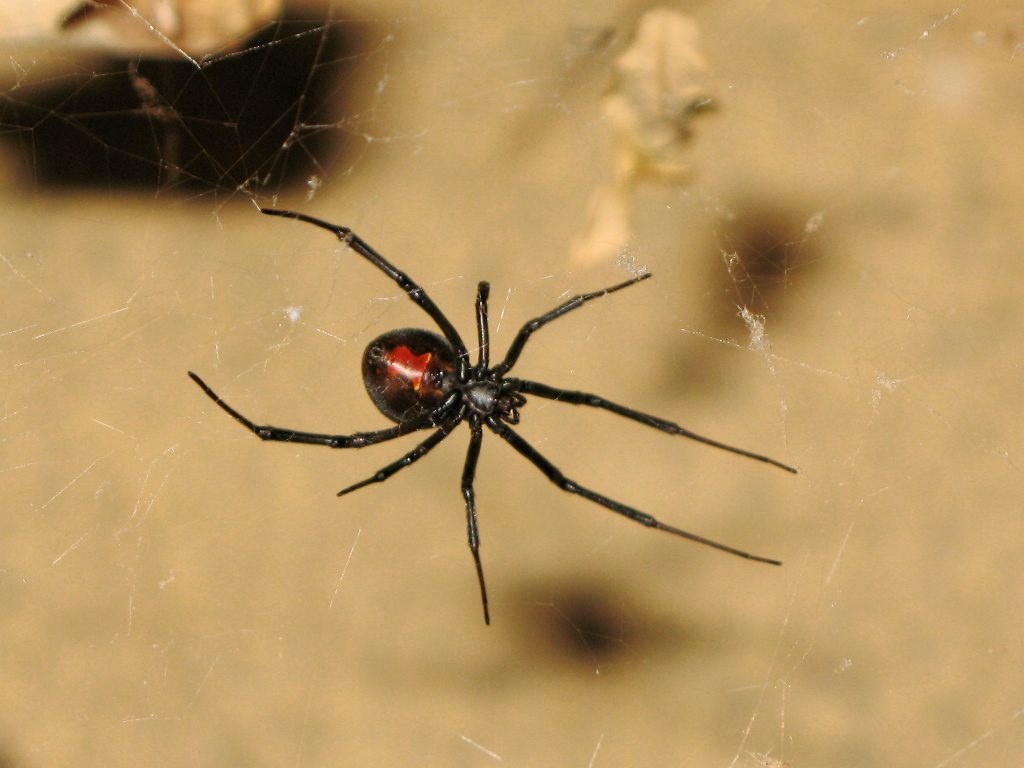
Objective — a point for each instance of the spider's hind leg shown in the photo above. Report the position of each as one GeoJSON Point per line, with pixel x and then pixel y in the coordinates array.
{"type": "Point", "coordinates": [411, 457]}
{"type": "Point", "coordinates": [283, 435]}
{"type": "Point", "coordinates": [412, 289]}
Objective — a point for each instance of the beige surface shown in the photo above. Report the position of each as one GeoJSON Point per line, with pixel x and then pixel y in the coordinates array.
{"type": "Point", "coordinates": [173, 592]}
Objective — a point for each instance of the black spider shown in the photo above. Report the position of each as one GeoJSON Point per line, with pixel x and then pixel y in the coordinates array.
{"type": "Point", "coordinates": [420, 380]}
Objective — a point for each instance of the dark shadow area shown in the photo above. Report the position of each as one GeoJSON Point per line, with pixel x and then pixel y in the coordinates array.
{"type": "Point", "coordinates": [579, 623]}
{"type": "Point", "coordinates": [261, 117]}
{"type": "Point", "coordinates": [758, 259]}
{"type": "Point", "coordinates": [766, 248]}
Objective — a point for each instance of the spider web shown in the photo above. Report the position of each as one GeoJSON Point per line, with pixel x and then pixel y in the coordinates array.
{"type": "Point", "coordinates": [827, 198]}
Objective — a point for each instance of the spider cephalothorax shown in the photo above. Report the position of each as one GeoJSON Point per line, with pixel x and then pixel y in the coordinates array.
{"type": "Point", "coordinates": [422, 380]}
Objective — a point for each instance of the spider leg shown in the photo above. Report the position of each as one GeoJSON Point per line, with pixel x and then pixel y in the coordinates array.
{"type": "Point", "coordinates": [406, 283]}
{"type": "Point", "coordinates": [412, 456]}
{"type": "Point", "coordinates": [468, 472]}
{"type": "Point", "coordinates": [528, 329]}
{"type": "Point", "coordinates": [483, 290]}
{"type": "Point", "coordinates": [595, 401]}
{"type": "Point", "coordinates": [356, 440]}
{"type": "Point", "coordinates": [571, 486]}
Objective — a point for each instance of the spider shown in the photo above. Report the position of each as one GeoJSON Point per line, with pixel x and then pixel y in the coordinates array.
{"type": "Point", "coordinates": [421, 380]}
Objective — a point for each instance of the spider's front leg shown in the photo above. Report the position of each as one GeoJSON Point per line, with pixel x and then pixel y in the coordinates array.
{"type": "Point", "coordinates": [483, 290]}
{"type": "Point", "coordinates": [519, 342]}
{"type": "Point", "coordinates": [555, 475]}
{"type": "Point", "coordinates": [596, 401]}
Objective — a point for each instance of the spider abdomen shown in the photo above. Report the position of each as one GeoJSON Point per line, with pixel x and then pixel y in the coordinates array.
{"type": "Point", "coordinates": [408, 373]}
